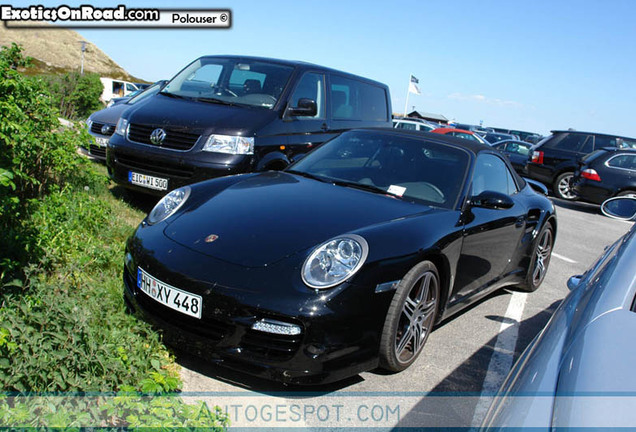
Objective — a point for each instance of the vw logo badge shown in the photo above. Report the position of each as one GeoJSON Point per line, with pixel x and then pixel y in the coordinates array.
{"type": "Point", "coordinates": [157, 136]}
{"type": "Point", "coordinates": [105, 129]}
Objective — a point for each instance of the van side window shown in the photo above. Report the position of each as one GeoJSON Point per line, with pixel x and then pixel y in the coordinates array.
{"type": "Point", "coordinates": [355, 100]}
{"type": "Point", "coordinates": [311, 86]}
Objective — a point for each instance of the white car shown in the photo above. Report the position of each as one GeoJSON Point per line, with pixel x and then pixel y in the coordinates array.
{"type": "Point", "coordinates": [413, 125]}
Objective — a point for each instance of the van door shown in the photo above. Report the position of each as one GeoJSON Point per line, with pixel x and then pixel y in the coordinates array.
{"type": "Point", "coordinates": [307, 132]}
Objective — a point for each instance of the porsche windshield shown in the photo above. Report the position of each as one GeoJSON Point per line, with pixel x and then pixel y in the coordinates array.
{"type": "Point", "coordinates": [231, 82]}
{"type": "Point", "coordinates": [395, 165]}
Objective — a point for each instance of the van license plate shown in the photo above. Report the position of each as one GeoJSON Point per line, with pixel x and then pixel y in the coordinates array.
{"type": "Point", "coordinates": [174, 298]}
{"type": "Point", "coordinates": [150, 182]}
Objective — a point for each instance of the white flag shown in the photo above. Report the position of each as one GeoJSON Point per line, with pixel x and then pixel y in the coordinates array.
{"type": "Point", "coordinates": [413, 86]}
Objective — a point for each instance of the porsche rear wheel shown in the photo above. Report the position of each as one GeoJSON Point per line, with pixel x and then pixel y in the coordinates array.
{"type": "Point", "coordinates": [410, 318]}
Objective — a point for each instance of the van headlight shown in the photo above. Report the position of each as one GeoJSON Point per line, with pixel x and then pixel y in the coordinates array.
{"type": "Point", "coordinates": [230, 144]}
{"type": "Point", "coordinates": [335, 261]}
{"type": "Point", "coordinates": [168, 205]}
{"type": "Point", "coordinates": [122, 127]}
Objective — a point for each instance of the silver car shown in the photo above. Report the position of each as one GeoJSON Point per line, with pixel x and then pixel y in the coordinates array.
{"type": "Point", "coordinates": [580, 371]}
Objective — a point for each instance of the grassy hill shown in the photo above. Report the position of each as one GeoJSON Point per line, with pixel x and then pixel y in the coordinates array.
{"type": "Point", "coordinates": [57, 50]}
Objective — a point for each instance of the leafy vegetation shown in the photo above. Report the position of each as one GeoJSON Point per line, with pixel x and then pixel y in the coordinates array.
{"type": "Point", "coordinates": [63, 323]}
{"type": "Point", "coordinates": [75, 96]}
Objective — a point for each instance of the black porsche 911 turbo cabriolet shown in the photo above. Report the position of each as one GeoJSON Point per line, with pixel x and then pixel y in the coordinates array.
{"type": "Point", "coordinates": [341, 263]}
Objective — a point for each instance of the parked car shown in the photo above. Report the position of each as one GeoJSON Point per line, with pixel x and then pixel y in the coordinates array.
{"type": "Point", "coordinates": [116, 88]}
{"type": "Point", "coordinates": [461, 133]}
{"type": "Point", "coordinates": [226, 115]}
{"type": "Point", "coordinates": [494, 137]}
{"type": "Point", "coordinates": [518, 152]}
{"type": "Point", "coordinates": [101, 124]}
{"type": "Point", "coordinates": [606, 173]}
{"type": "Point", "coordinates": [407, 124]}
{"type": "Point", "coordinates": [474, 128]}
{"type": "Point", "coordinates": [578, 373]}
{"type": "Point", "coordinates": [555, 159]}
{"type": "Point", "coordinates": [530, 137]}
{"type": "Point", "coordinates": [342, 262]}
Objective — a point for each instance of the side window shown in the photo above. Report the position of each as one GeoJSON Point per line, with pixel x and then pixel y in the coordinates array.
{"type": "Point", "coordinates": [604, 141]}
{"type": "Point", "coordinates": [130, 87]}
{"type": "Point", "coordinates": [355, 100]}
{"type": "Point", "coordinates": [311, 86]}
{"type": "Point", "coordinates": [576, 142]}
{"type": "Point", "coordinates": [623, 161]}
{"type": "Point", "coordinates": [407, 126]}
{"type": "Point", "coordinates": [492, 174]}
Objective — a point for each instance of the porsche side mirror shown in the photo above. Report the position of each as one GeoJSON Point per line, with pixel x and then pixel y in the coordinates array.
{"type": "Point", "coordinates": [492, 200]}
{"type": "Point", "coordinates": [622, 208]}
{"type": "Point", "coordinates": [306, 107]}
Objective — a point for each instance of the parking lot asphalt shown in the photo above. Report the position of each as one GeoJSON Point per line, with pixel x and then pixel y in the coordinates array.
{"type": "Point", "coordinates": [466, 355]}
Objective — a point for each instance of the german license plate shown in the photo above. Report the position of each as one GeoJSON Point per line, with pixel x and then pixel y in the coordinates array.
{"type": "Point", "coordinates": [150, 182]}
{"type": "Point", "coordinates": [102, 142]}
{"type": "Point", "coordinates": [174, 298]}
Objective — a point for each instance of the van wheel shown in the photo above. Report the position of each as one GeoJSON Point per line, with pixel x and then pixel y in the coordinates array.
{"type": "Point", "coordinates": [275, 166]}
{"type": "Point", "coordinates": [411, 316]}
{"type": "Point", "coordinates": [563, 186]}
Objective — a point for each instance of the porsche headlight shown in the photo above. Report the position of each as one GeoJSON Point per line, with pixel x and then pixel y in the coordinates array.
{"type": "Point", "coordinates": [230, 144]}
{"type": "Point", "coordinates": [335, 261]}
{"type": "Point", "coordinates": [122, 127]}
{"type": "Point", "coordinates": [168, 205]}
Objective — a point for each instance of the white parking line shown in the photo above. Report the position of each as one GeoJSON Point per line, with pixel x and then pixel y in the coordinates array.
{"type": "Point", "coordinates": [561, 257]}
{"type": "Point", "coordinates": [503, 353]}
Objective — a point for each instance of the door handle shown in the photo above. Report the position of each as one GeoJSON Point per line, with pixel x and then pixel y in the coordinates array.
{"type": "Point", "coordinates": [324, 127]}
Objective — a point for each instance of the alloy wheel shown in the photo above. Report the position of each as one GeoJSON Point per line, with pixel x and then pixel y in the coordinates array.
{"type": "Point", "coordinates": [416, 319]}
{"type": "Point", "coordinates": [565, 187]}
{"type": "Point", "coordinates": [543, 252]}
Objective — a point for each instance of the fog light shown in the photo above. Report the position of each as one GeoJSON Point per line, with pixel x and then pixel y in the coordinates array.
{"type": "Point", "coordinates": [276, 327]}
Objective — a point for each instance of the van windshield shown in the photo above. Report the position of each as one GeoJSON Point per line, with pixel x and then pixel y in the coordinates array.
{"type": "Point", "coordinates": [231, 81]}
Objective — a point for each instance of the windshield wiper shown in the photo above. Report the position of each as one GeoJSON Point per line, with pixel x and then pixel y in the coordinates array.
{"type": "Point", "coordinates": [172, 95]}
{"type": "Point", "coordinates": [311, 176]}
{"type": "Point", "coordinates": [362, 186]}
{"type": "Point", "coordinates": [214, 100]}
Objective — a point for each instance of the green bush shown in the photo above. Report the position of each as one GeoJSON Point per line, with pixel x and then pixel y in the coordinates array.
{"type": "Point", "coordinates": [37, 156]}
{"type": "Point", "coordinates": [76, 96]}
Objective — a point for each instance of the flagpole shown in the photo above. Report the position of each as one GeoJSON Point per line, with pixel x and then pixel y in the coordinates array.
{"type": "Point", "coordinates": [408, 90]}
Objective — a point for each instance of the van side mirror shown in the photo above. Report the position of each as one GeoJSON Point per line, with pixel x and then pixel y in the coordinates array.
{"type": "Point", "coordinates": [492, 200]}
{"type": "Point", "coordinates": [306, 107]}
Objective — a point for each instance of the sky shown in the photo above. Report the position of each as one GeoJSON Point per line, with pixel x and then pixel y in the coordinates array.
{"type": "Point", "coordinates": [533, 65]}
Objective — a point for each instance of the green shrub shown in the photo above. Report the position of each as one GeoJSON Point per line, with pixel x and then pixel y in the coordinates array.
{"type": "Point", "coordinates": [75, 96]}
{"type": "Point", "coordinates": [37, 157]}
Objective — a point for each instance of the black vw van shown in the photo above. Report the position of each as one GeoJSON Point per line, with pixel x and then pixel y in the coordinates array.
{"type": "Point", "coordinates": [225, 115]}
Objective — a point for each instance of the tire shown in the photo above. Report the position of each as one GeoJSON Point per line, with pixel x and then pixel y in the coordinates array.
{"type": "Point", "coordinates": [540, 260]}
{"type": "Point", "coordinates": [562, 187]}
{"type": "Point", "coordinates": [627, 193]}
{"type": "Point", "coordinates": [410, 318]}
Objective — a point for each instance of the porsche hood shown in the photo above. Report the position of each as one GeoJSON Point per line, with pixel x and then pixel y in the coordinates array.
{"type": "Point", "coordinates": [267, 217]}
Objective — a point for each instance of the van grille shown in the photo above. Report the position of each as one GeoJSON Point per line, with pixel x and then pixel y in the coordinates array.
{"type": "Point", "coordinates": [161, 168]}
{"type": "Point", "coordinates": [96, 128]}
{"type": "Point", "coordinates": [97, 151]}
{"type": "Point", "coordinates": [176, 139]}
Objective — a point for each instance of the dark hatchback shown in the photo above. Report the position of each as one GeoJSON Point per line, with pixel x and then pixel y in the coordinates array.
{"type": "Point", "coordinates": [342, 262]}
{"type": "Point", "coordinates": [606, 173]}
{"type": "Point", "coordinates": [518, 152]}
{"type": "Point", "coordinates": [225, 115]}
{"type": "Point", "coordinates": [555, 159]}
